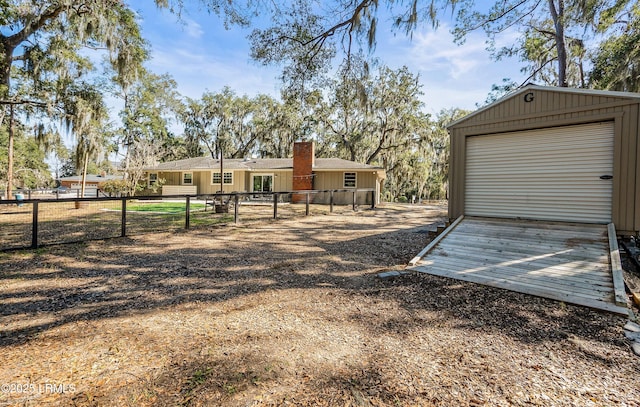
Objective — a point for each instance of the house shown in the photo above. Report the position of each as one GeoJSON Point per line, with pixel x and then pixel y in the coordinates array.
{"type": "Point", "coordinates": [201, 175]}
{"type": "Point", "coordinates": [92, 182]}
{"type": "Point", "coordinates": [548, 153]}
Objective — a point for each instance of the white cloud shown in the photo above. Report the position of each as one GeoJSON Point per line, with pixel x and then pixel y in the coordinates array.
{"type": "Point", "coordinates": [197, 71]}
{"type": "Point", "coordinates": [192, 28]}
{"type": "Point", "coordinates": [434, 51]}
{"type": "Point", "coordinates": [452, 75]}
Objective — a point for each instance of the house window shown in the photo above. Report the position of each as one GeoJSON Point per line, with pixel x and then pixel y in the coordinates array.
{"type": "Point", "coordinates": [187, 178]}
{"type": "Point", "coordinates": [349, 179]}
{"type": "Point", "coordinates": [228, 178]}
{"type": "Point", "coordinates": [153, 178]}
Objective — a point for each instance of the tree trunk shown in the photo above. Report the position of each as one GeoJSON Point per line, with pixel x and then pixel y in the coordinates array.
{"type": "Point", "coordinates": [558, 21]}
{"type": "Point", "coordinates": [85, 164]}
{"type": "Point", "coordinates": [10, 158]}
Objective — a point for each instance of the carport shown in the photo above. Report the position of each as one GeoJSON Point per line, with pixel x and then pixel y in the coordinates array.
{"type": "Point", "coordinates": [543, 159]}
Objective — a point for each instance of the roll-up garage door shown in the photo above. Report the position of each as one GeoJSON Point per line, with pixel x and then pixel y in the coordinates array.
{"type": "Point", "coordinates": [559, 173]}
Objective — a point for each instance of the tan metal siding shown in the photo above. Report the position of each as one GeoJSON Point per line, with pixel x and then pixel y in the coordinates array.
{"type": "Point", "coordinates": [170, 178]}
{"type": "Point", "coordinates": [634, 168]}
{"type": "Point", "coordinates": [553, 108]}
{"type": "Point", "coordinates": [549, 174]}
{"type": "Point", "coordinates": [325, 180]}
{"type": "Point", "coordinates": [283, 180]}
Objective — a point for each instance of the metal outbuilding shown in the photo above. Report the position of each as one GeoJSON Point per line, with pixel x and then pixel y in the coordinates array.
{"type": "Point", "coordinates": [552, 154]}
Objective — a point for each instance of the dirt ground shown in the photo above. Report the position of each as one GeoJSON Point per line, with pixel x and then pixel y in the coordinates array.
{"type": "Point", "coordinates": [290, 312]}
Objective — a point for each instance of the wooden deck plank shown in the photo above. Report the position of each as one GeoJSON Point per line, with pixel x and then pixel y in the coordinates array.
{"type": "Point", "coordinates": [566, 262]}
{"type": "Point", "coordinates": [531, 243]}
{"type": "Point", "coordinates": [522, 287]}
{"type": "Point", "coordinates": [437, 240]}
{"type": "Point", "coordinates": [502, 231]}
{"type": "Point", "coordinates": [596, 270]}
{"type": "Point", "coordinates": [535, 225]}
{"type": "Point", "coordinates": [576, 287]}
{"type": "Point", "coordinates": [547, 274]}
{"type": "Point", "coordinates": [496, 245]}
{"type": "Point", "coordinates": [533, 262]}
{"type": "Point", "coordinates": [616, 266]}
{"type": "Point", "coordinates": [531, 267]}
{"type": "Point", "coordinates": [505, 284]}
{"type": "Point", "coordinates": [572, 237]}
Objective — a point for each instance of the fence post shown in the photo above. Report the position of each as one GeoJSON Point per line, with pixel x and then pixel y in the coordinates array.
{"type": "Point", "coordinates": [187, 212]}
{"type": "Point", "coordinates": [354, 200]}
{"type": "Point", "coordinates": [123, 225]}
{"type": "Point", "coordinates": [306, 201]}
{"type": "Point", "coordinates": [34, 227]}
{"type": "Point", "coordinates": [331, 201]}
{"type": "Point", "coordinates": [275, 205]}
{"type": "Point", "coordinates": [235, 207]}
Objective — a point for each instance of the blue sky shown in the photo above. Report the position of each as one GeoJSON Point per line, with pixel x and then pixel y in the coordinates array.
{"type": "Point", "coordinates": [200, 54]}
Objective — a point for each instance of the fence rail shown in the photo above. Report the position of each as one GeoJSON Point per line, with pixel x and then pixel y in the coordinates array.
{"type": "Point", "coordinates": [55, 193]}
{"type": "Point", "coordinates": [32, 223]}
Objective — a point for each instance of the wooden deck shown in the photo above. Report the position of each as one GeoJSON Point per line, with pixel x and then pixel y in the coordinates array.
{"type": "Point", "coordinates": [565, 262]}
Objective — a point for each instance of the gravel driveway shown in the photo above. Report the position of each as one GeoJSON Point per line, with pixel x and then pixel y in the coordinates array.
{"type": "Point", "coordinates": [290, 312]}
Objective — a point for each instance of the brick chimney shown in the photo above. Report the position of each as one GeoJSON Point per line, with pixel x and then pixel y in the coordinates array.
{"type": "Point", "coordinates": [303, 162]}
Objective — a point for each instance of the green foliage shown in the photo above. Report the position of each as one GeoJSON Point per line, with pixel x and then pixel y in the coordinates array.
{"type": "Point", "coordinates": [114, 186]}
{"type": "Point", "coordinates": [157, 186]}
{"type": "Point", "coordinates": [616, 64]}
{"type": "Point", "coordinates": [373, 118]}
{"type": "Point", "coordinates": [30, 169]}
{"type": "Point", "coordinates": [49, 84]}
{"type": "Point", "coordinates": [223, 123]}
{"type": "Point", "coordinates": [498, 91]}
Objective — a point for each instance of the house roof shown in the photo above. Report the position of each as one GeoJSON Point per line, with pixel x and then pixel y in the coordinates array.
{"type": "Point", "coordinates": [90, 178]}
{"type": "Point", "coordinates": [530, 87]}
{"type": "Point", "coordinates": [208, 163]}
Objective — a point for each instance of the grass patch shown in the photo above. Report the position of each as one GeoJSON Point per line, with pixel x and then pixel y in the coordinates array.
{"type": "Point", "coordinates": [163, 207]}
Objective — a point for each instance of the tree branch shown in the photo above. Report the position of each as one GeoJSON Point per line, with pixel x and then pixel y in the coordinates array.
{"type": "Point", "coordinates": [498, 17]}
{"type": "Point", "coordinates": [18, 38]}
{"type": "Point", "coordinates": [319, 39]}
{"type": "Point", "coordinates": [22, 102]}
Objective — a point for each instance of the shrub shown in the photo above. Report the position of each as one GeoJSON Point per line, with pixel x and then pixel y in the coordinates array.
{"type": "Point", "coordinates": [114, 186]}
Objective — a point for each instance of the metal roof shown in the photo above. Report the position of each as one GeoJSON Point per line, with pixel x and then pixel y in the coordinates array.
{"type": "Point", "coordinates": [530, 87]}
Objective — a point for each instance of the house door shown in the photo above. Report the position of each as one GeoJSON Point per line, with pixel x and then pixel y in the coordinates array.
{"type": "Point", "coordinates": [262, 183]}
